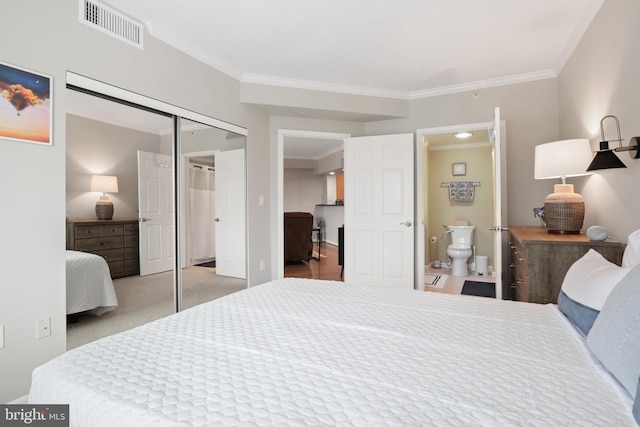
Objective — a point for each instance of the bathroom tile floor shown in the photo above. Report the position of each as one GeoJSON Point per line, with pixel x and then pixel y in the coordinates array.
{"type": "Point", "coordinates": [453, 285]}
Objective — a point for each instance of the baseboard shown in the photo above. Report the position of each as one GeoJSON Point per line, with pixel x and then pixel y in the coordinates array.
{"type": "Point", "coordinates": [20, 400]}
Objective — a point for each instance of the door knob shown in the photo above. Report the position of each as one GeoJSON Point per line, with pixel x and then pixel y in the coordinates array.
{"type": "Point", "coordinates": [217, 220]}
{"type": "Point", "coordinates": [406, 223]}
{"type": "Point", "coordinates": [144, 219]}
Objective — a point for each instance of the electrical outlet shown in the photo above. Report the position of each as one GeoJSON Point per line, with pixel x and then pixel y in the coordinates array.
{"type": "Point", "coordinates": [43, 328]}
{"type": "Point", "coordinates": [261, 200]}
{"type": "Point", "coordinates": [262, 265]}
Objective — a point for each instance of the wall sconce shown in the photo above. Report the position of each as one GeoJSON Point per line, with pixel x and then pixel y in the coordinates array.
{"type": "Point", "coordinates": [104, 184]}
{"type": "Point", "coordinates": [606, 158]}
{"type": "Point", "coordinates": [563, 209]}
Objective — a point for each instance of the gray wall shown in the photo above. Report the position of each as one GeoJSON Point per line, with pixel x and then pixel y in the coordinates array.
{"type": "Point", "coordinates": [601, 78]}
{"type": "Point", "coordinates": [95, 147]}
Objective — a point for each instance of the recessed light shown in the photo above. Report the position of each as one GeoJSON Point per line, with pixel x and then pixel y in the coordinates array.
{"type": "Point", "coordinates": [464, 135]}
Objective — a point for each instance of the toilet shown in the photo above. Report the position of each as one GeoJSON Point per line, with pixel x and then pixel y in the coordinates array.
{"type": "Point", "coordinates": [460, 248]}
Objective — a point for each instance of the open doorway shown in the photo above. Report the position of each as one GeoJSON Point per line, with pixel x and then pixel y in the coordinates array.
{"type": "Point", "coordinates": [468, 154]}
{"type": "Point", "coordinates": [308, 163]}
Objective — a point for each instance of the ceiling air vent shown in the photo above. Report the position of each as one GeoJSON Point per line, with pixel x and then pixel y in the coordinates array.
{"type": "Point", "coordinates": [111, 22]}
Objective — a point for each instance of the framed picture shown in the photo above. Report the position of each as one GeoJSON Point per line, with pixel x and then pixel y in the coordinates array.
{"type": "Point", "coordinates": [459, 169]}
{"type": "Point", "coordinates": [25, 105]}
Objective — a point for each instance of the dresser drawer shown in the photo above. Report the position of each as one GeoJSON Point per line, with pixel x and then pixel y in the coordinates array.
{"type": "Point", "coordinates": [99, 244]}
{"type": "Point", "coordinates": [131, 253]}
{"type": "Point", "coordinates": [116, 268]}
{"type": "Point", "coordinates": [91, 231]}
{"type": "Point", "coordinates": [131, 242]}
{"type": "Point", "coordinates": [111, 255]}
{"type": "Point", "coordinates": [131, 229]}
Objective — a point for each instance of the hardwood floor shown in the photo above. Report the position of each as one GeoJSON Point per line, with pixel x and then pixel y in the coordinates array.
{"type": "Point", "coordinates": [326, 268]}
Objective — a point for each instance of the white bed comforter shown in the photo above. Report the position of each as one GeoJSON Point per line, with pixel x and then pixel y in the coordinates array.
{"type": "Point", "coordinates": [301, 352]}
{"type": "Point", "coordinates": [89, 285]}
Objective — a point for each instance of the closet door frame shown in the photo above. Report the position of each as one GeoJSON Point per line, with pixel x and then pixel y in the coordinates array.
{"type": "Point", "coordinates": [117, 94]}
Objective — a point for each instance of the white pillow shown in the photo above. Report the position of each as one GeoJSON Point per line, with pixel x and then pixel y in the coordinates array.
{"type": "Point", "coordinates": [631, 256]}
{"type": "Point", "coordinates": [590, 280]}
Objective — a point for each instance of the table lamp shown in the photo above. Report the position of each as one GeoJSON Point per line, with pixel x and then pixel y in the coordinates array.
{"type": "Point", "coordinates": [104, 184]}
{"type": "Point", "coordinates": [563, 209]}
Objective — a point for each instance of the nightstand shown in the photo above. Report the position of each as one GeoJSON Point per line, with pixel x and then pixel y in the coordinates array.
{"type": "Point", "coordinates": [539, 261]}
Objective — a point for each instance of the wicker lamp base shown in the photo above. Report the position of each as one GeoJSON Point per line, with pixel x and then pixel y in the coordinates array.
{"type": "Point", "coordinates": [564, 210]}
{"type": "Point", "coordinates": [104, 208]}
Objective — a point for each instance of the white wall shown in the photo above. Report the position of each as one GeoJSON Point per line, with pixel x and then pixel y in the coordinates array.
{"type": "Point", "coordinates": [601, 78]}
{"type": "Point", "coordinates": [302, 190]}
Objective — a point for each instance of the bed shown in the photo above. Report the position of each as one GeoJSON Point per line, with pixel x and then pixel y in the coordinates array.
{"type": "Point", "coordinates": [89, 286]}
{"type": "Point", "coordinates": [311, 352]}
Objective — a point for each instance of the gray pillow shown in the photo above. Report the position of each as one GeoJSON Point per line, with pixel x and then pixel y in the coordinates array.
{"type": "Point", "coordinates": [615, 335]}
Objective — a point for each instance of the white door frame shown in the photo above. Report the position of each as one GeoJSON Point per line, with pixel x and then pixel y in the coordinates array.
{"type": "Point", "coordinates": [278, 239]}
{"type": "Point", "coordinates": [420, 169]}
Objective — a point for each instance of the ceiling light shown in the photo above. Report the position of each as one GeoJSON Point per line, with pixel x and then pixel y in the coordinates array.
{"type": "Point", "coordinates": [464, 135]}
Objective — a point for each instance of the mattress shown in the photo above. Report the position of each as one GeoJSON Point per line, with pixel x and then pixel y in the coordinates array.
{"type": "Point", "coordinates": [307, 352]}
{"type": "Point", "coordinates": [89, 285]}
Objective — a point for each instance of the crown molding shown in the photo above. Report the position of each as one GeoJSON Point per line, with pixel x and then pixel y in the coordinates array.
{"type": "Point", "coordinates": [484, 84]}
{"type": "Point", "coordinates": [249, 78]}
{"type": "Point", "coordinates": [321, 86]}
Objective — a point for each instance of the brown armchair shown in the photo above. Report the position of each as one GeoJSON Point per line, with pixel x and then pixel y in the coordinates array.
{"type": "Point", "coordinates": [298, 230]}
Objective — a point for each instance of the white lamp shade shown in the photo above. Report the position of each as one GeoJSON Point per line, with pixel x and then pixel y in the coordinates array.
{"type": "Point", "coordinates": [104, 183]}
{"type": "Point", "coordinates": [559, 159]}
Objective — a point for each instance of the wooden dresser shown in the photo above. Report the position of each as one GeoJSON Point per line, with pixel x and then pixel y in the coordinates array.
{"type": "Point", "coordinates": [115, 240]}
{"type": "Point", "coordinates": [539, 261]}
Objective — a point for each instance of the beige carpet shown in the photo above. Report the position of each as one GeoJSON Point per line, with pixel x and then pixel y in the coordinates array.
{"type": "Point", "coordinates": [143, 299]}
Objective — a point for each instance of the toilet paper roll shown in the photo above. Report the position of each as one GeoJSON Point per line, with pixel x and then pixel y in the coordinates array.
{"type": "Point", "coordinates": [433, 239]}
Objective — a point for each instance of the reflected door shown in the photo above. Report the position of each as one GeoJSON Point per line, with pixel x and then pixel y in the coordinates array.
{"type": "Point", "coordinates": [155, 203]}
{"type": "Point", "coordinates": [230, 213]}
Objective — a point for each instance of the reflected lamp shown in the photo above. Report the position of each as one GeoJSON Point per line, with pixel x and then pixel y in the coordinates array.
{"type": "Point", "coordinates": [563, 209]}
{"type": "Point", "coordinates": [104, 184]}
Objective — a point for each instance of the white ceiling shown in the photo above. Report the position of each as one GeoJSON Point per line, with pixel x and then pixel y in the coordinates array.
{"type": "Point", "coordinates": [403, 48]}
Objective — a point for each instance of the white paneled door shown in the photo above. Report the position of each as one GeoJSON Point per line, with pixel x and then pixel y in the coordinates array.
{"type": "Point", "coordinates": [379, 211]}
{"type": "Point", "coordinates": [230, 229]}
{"type": "Point", "coordinates": [155, 204]}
